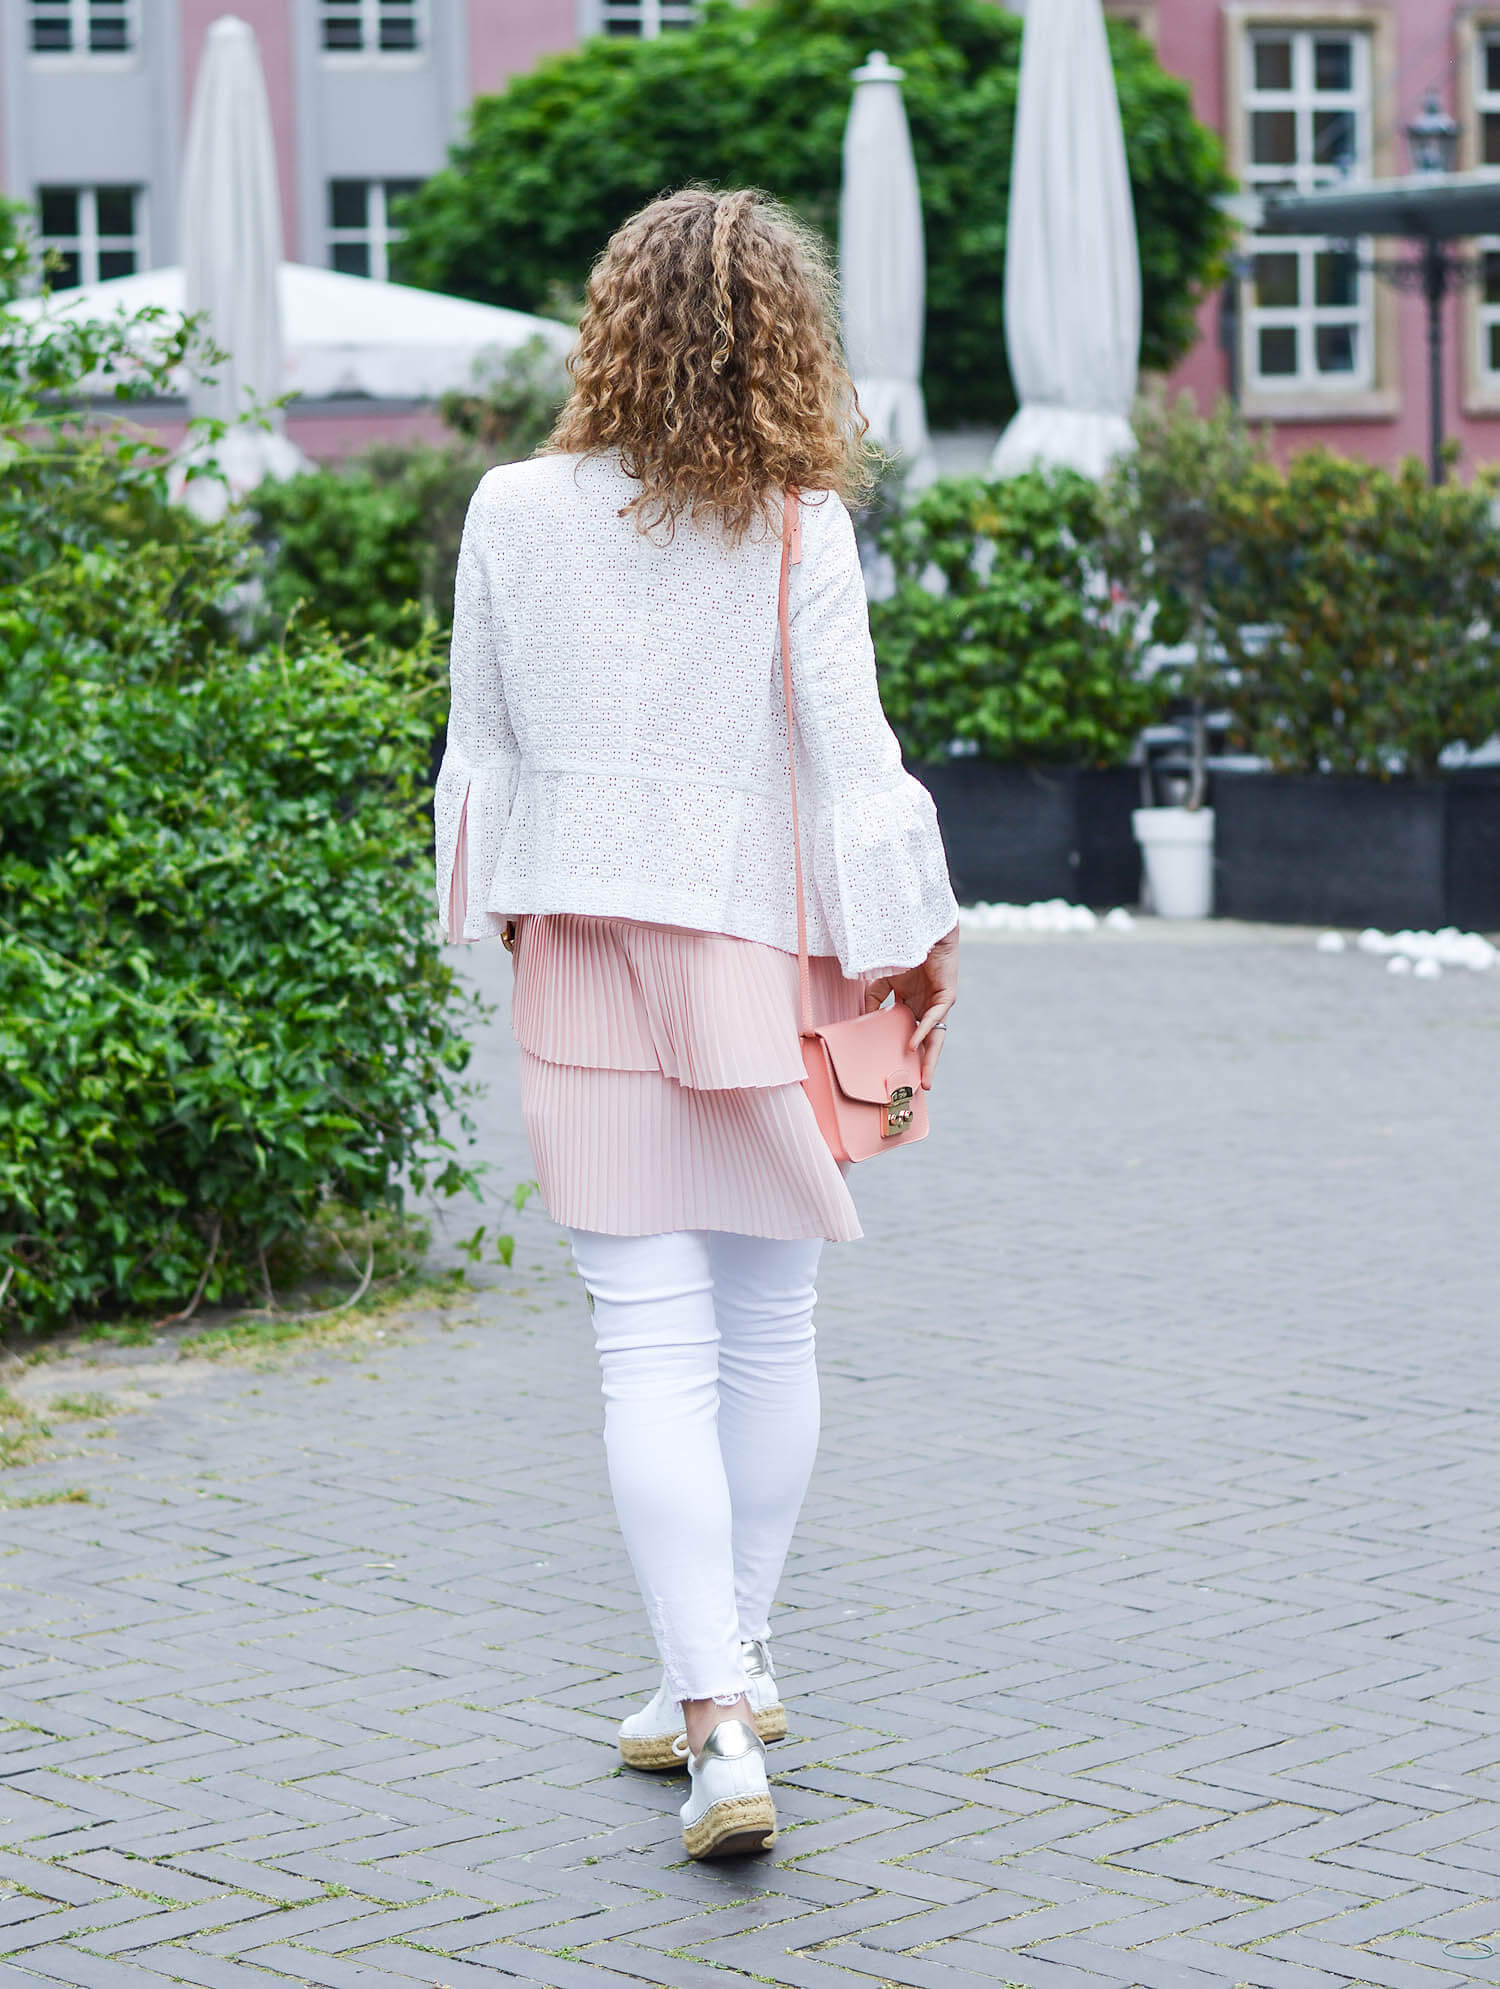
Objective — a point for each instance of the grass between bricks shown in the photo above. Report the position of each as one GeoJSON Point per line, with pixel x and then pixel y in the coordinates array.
{"type": "Point", "coordinates": [356, 1286]}
{"type": "Point", "coordinates": [24, 1430]}
{"type": "Point", "coordinates": [142, 1361]}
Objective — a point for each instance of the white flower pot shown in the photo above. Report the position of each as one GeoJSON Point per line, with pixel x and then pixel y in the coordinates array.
{"type": "Point", "coordinates": [1178, 847]}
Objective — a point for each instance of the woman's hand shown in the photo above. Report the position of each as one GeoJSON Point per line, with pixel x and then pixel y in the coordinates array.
{"type": "Point", "coordinates": [929, 991]}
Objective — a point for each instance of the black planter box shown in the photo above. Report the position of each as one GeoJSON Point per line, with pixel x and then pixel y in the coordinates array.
{"type": "Point", "coordinates": [1336, 849]}
{"type": "Point", "coordinates": [1017, 834]}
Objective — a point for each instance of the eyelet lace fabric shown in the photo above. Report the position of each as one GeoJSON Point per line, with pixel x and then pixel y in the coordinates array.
{"type": "Point", "coordinates": [617, 743]}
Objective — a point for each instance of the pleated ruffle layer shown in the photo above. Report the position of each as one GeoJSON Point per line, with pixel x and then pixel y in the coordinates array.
{"type": "Point", "coordinates": [661, 1080]}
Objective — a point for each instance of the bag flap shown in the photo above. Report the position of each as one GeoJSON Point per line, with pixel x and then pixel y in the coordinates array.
{"type": "Point", "coordinates": [870, 1056]}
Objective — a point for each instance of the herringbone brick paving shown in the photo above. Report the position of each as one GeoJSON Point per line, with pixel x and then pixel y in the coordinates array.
{"type": "Point", "coordinates": [1142, 1627]}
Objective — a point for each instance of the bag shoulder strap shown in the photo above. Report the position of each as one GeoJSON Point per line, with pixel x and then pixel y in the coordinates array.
{"type": "Point", "coordinates": [791, 553]}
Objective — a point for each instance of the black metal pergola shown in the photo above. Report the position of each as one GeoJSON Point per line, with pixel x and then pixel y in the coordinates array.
{"type": "Point", "coordinates": [1433, 209]}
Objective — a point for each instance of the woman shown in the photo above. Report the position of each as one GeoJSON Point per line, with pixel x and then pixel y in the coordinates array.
{"type": "Point", "coordinates": [615, 801]}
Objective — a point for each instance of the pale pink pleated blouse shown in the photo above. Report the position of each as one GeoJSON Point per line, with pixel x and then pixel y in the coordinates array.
{"type": "Point", "coordinates": [661, 1080]}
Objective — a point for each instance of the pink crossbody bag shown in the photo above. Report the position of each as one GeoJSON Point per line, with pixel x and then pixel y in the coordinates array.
{"type": "Point", "coordinates": [864, 1080]}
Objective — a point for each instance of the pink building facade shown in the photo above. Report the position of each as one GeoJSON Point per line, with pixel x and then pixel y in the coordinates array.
{"type": "Point", "coordinates": [368, 94]}
{"type": "Point", "coordinates": [1303, 93]}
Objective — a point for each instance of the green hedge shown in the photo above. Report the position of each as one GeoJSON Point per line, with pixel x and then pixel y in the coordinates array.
{"type": "Point", "coordinates": [1372, 600]}
{"type": "Point", "coordinates": [1003, 632]}
{"type": "Point", "coordinates": [1343, 614]}
{"type": "Point", "coordinates": [369, 547]}
{"type": "Point", "coordinates": [222, 1005]}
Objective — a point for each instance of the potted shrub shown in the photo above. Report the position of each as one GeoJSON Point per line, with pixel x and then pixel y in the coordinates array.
{"type": "Point", "coordinates": [1378, 654]}
{"type": "Point", "coordinates": [1008, 668]}
{"type": "Point", "coordinates": [1167, 518]}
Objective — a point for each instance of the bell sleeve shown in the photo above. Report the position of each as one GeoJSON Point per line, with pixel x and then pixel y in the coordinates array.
{"type": "Point", "coordinates": [873, 847]}
{"type": "Point", "coordinates": [477, 780]}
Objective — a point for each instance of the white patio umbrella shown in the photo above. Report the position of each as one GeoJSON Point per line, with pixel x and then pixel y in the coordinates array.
{"type": "Point", "coordinates": [882, 267]}
{"type": "Point", "coordinates": [345, 337]}
{"type": "Point", "coordinates": [1072, 267]}
{"type": "Point", "coordinates": [231, 245]}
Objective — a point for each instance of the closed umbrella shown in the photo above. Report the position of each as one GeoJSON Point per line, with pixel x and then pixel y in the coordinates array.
{"type": "Point", "coordinates": [231, 248]}
{"type": "Point", "coordinates": [882, 267]}
{"type": "Point", "coordinates": [1072, 267]}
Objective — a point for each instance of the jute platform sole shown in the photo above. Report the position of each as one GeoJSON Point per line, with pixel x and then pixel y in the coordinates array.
{"type": "Point", "coordinates": [656, 1752]}
{"type": "Point", "coordinates": [735, 1828]}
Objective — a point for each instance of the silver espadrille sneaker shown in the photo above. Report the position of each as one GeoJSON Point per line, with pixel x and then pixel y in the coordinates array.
{"type": "Point", "coordinates": [646, 1737]}
{"type": "Point", "coordinates": [764, 1695]}
{"type": "Point", "coordinates": [729, 1812]}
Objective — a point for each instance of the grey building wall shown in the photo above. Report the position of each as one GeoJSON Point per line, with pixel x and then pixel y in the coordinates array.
{"type": "Point", "coordinates": [374, 117]}
{"type": "Point", "coordinates": [86, 121]}
{"type": "Point", "coordinates": [97, 120]}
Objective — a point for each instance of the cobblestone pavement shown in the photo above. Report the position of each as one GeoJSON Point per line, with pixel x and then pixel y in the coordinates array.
{"type": "Point", "coordinates": [1142, 1628]}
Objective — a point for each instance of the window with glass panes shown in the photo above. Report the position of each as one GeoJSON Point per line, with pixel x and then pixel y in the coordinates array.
{"type": "Point", "coordinates": [1309, 317]}
{"type": "Point", "coordinates": [359, 224]}
{"type": "Point", "coordinates": [82, 27]}
{"type": "Point", "coordinates": [1487, 110]}
{"type": "Point", "coordinates": [371, 27]}
{"type": "Point", "coordinates": [643, 19]}
{"type": "Point", "coordinates": [93, 233]}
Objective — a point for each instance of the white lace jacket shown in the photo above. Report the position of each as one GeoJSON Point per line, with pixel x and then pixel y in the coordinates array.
{"type": "Point", "coordinates": [617, 740]}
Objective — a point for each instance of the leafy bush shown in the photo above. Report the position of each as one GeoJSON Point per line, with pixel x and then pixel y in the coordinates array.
{"type": "Point", "coordinates": [1167, 512]}
{"type": "Point", "coordinates": [509, 409]}
{"type": "Point", "coordinates": [759, 96]}
{"type": "Point", "coordinates": [223, 1009]}
{"type": "Point", "coordinates": [369, 547]}
{"type": "Point", "coordinates": [1343, 613]}
{"type": "Point", "coordinates": [14, 260]}
{"type": "Point", "coordinates": [1003, 632]}
{"type": "Point", "coordinates": [1171, 542]}
{"type": "Point", "coordinates": [1376, 598]}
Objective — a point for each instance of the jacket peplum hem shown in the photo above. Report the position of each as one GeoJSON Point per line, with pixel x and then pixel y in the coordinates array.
{"type": "Point", "coordinates": [878, 895]}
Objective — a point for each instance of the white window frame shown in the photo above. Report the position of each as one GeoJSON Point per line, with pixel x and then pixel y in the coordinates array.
{"type": "Point", "coordinates": [88, 240]}
{"type": "Point", "coordinates": [369, 12]}
{"type": "Point", "coordinates": [77, 13]}
{"type": "Point", "coordinates": [1486, 314]}
{"type": "Point", "coordinates": [639, 20]}
{"type": "Point", "coordinates": [377, 234]}
{"type": "Point", "coordinates": [1308, 175]}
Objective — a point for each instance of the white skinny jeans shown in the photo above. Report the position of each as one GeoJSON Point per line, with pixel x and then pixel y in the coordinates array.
{"type": "Point", "coordinates": [710, 1429]}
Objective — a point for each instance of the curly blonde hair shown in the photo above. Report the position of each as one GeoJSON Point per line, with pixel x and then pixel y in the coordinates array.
{"type": "Point", "coordinates": [709, 357]}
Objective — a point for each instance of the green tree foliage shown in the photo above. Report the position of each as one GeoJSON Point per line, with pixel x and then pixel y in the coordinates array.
{"type": "Point", "coordinates": [222, 1008]}
{"type": "Point", "coordinates": [758, 96]}
{"type": "Point", "coordinates": [1004, 632]}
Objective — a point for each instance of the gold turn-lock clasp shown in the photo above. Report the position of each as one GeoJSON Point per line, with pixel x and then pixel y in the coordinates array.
{"type": "Point", "coordinates": [898, 1112]}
